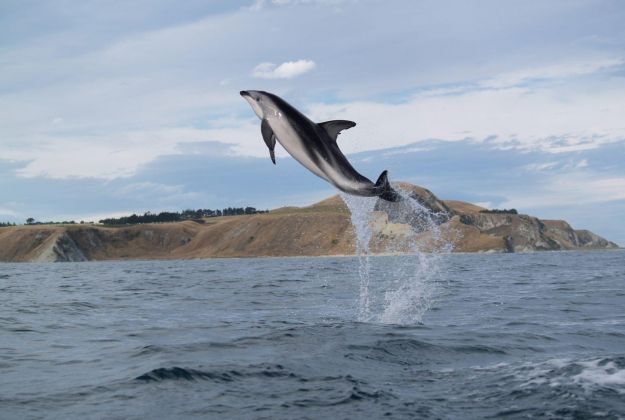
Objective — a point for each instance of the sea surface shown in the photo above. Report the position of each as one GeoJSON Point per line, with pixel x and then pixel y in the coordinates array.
{"type": "Point", "coordinates": [481, 336]}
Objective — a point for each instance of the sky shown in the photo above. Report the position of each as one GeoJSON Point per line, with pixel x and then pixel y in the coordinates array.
{"type": "Point", "coordinates": [114, 107]}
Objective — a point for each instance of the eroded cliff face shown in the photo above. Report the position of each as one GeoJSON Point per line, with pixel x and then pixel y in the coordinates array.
{"type": "Point", "coordinates": [320, 229]}
{"type": "Point", "coordinates": [589, 240]}
{"type": "Point", "coordinates": [26, 243]}
{"type": "Point", "coordinates": [476, 230]}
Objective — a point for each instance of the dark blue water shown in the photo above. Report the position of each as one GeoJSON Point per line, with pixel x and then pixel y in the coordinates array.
{"type": "Point", "coordinates": [534, 335]}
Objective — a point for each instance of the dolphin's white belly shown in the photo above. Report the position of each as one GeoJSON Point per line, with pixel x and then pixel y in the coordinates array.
{"type": "Point", "coordinates": [302, 152]}
{"type": "Point", "coordinates": [341, 181]}
{"type": "Point", "coordinates": [294, 144]}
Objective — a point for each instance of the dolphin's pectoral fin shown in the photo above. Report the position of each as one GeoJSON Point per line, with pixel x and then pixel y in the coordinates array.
{"type": "Point", "coordinates": [272, 155]}
{"type": "Point", "coordinates": [334, 127]}
{"type": "Point", "coordinates": [270, 139]}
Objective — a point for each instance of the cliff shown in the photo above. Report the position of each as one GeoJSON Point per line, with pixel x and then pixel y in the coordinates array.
{"type": "Point", "coordinates": [321, 229]}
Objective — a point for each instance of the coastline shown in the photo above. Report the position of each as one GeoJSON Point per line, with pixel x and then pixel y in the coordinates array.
{"type": "Point", "coordinates": [373, 255]}
{"type": "Point", "coordinates": [323, 229]}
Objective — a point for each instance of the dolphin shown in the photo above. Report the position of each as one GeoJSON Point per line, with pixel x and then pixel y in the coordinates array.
{"type": "Point", "coordinates": [313, 145]}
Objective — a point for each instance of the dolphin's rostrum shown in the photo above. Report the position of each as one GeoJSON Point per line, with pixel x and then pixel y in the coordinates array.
{"type": "Point", "coordinates": [313, 145]}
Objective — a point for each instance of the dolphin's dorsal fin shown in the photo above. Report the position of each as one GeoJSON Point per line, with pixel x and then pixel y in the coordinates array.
{"type": "Point", "coordinates": [270, 139]}
{"type": "Point", "coordinates": [334, 127]}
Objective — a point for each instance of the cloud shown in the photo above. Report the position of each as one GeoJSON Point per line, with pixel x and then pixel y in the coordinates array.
{"type": "Point", "coordinates": [171, 195]}
{"type": "Point", "coordinates": [256, 5]}
{"type": "Point", "coordinates": [570, 189]}
{"type": "Point", "coordinates": [540, 167]}
{"type": "Point", "coordinates": [554, 71]}
{"type": "Point", "coordinates": [582, 163]}
{"type": "Point", "coordinates": [287, 70]}
{"type": "Point", "coordinates": [80, 100]}
{"type": "Point", "coordinates": [7, 212]}
{"type": "Point", "coordinates": [569, 114]}
{"type": "Point", "coordinates": [260, 4]}
{"type": "Point", "coordinates": [298, 2]}
{"type": "Point", "coordinates": [121, 154]}
{"type": "Point", "coordinates": [574, 115]}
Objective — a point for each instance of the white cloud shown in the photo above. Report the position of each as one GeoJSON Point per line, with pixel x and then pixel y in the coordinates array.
{"type": "Point", "coordinates": [569, 189]}
{"type": "Point", "coordinates": [582, 163]}
{"type": "Point", "coordinates": [163, 194]}
{"type": "Point", "coordinates": [84, 103]}
{"type": "Point", "coordinates": [326, 2]}
{"type": "Point", "coordinates": [559, 118]}
{"type": "Point", "coordinates": [563, 117]}
{"type": "Point", "coordinates": [540, 167]}
{"type": "Point", "coordinates": [287, 70]}
{"type": "Point", "coordinates": [149, 188]}
{"type": "Point", "coordinates": [256, 5]}
{"type": "Point", "coordinates": [558, 71]}
{"type": "Point", "coordinates": [259, 4]}
{"type": "Point", "coordinates": [571, 115]}
{"type": "Point", "coordinates": [570, 164]}
{"type": "Point", "coordinates": [402, 151]}
{"type": "Point", "coordinates": [8, 212]}
{"type": "Point", "coordinates": [120, 154]}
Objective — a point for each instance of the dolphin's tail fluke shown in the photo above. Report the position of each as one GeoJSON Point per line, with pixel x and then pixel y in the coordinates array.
{"type": "Point", "coordinates": [384, 190]}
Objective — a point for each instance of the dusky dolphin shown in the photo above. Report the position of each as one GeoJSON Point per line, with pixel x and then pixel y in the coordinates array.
{"type": "Point", "coordinates": [313, 145]}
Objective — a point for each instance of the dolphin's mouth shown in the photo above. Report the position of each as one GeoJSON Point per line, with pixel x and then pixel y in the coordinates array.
{"type": "Point", "coordinates": [253, 103]}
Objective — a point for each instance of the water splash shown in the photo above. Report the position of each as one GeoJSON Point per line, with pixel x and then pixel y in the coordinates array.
{"type": "Point", "coordinates": [411, 232]}
{"type": "Point", "coordinates": [361, 209]}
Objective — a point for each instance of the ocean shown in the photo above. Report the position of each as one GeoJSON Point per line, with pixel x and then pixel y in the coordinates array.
{"type": "Point", "coordinates": [457, 336]}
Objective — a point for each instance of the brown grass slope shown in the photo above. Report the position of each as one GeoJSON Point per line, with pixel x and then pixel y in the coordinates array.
{"type": "Point", "coordinates": [321, 229]}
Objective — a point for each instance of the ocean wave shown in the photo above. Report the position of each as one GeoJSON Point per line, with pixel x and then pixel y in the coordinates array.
{"type": "Point", "coordinates": [408, 351]}
{"type": "Point", "coordinates": [606, 373]}
{"type": "Point", "coordinates": [298, 390]}
{"type": "Point", "coordinates": [188, 374]}
{"type": "Point", "coordinates": [178, 373]}
{"type": "Point", "coordinates": [602, 373]}
{"type": "Point", "coordinates": [355, 394]}
{"type": "Point", "coordinates": [201, 346]}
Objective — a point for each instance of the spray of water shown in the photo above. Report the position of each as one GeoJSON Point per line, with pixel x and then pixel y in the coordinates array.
{"type": "Point", "coordinates": [361, 209]}
{"type": "Point", "coordinates": [398, 291]}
